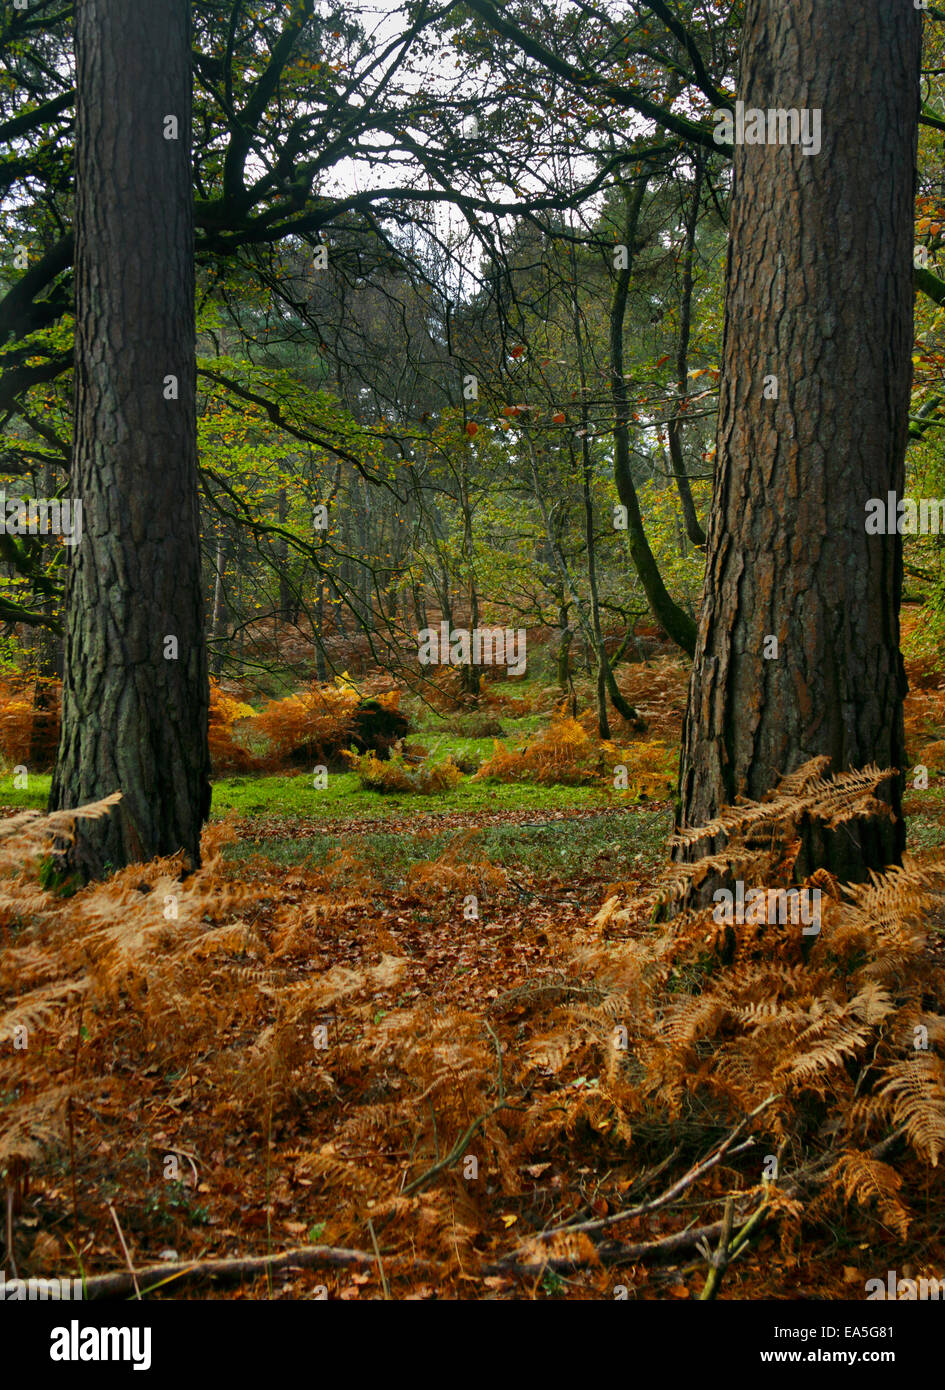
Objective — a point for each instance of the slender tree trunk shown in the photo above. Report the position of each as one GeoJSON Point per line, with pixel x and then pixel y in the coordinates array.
{"type": "Point", "coordinates": [603, 723]}
{"type": "Point", "coordinates": [45, 657]}
{"type": "Point", "coordinates": [135, 693]}
{"type": "Point", "coordinates": [813, 421]}
{"type": "Point", "coordinates": [667, 612]}
{"type": "Point", "coordinates": [565, 637]}
{"type": "Point", "coordinates": [419, 608]}
{"type": "Point", "coordinates": [674, 427]}
{"type": "Point", "coordinates": [321, 667]}
{"type": "Point", "coordinates": [218, 626]}
{"type": "Point", "coordinates": [286, 593]}
{"type": "Point", "coordinates": [471, 674]}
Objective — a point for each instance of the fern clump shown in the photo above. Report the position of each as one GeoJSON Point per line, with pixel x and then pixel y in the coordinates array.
{"type": "Point", "coordinates": [565, 752]}
{"type": "Point", "coordinates": [834, 1042]}
{"type": "Point", "coordinates": [627, 1065]}
{"type": "Point", "coordinates": [318, 721]}
{"type": "Point", "coordinates": [227, 752]}
{"type": "Point", "coordinates": [29, 720]}
{"type": "Point", "coordinates": [396, 774]}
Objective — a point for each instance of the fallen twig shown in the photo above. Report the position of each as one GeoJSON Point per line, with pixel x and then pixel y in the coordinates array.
{"type": "Point", "coordinates": [678, 1187]}
{"type": "Point", "coordinates": [521, 1263]}
{"type": "Point", "coordinates": [380, 1263]}
{"type": "Point", "coordinates": [125, 1251]}
{"type": "Point", "coordinates": [120, 1283]}
{"type": "Point", "coordinates": [721, 1258]}
{"type": "Point", "coordinates": [455, 1152]}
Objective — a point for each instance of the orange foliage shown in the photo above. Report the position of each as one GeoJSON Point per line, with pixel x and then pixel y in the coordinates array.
{"type": "Point", "coordinates": [658, 690]}
{"type": "Point", "coordinates": [371, 1049]}
{"type": "Point", "coordinates": [318, 720]}
{"type": "Point", "coordinates": [227, 754]}
{"type": "Point", "coordinates": [318, 723]}
{"type": "Point", "coordinates": [29, 721]}
{"type": "Point", "coordinates": [563, 752]}
{"type": "Point", "coordinates": [456, 872]}
{"type": "Point", "coordinates": [396, 774]}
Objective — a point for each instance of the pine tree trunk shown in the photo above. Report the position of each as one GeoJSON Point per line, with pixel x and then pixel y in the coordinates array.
{"type": "Point", "coordinates": [819, 296]}
{"type": "Point", "coordinates": [135, 691]}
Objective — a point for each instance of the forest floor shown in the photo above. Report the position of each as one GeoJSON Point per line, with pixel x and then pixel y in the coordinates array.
{"type": "Point", "coordinates": [345, 1046]}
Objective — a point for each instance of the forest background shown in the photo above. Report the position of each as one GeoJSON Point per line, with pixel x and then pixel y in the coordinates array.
{"type": "Point", "coordinates": [459, 283]}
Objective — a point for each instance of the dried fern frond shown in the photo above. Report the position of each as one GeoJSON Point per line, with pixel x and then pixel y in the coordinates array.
{"type": "Point", "coordinates": [865, 1180]}
{"type": "Point", "coordinates": [833, 801]}
{"type": "Point", "coordinates": [35, 1009]}
{"type": "Point", "coordinates": [825, 1020]}
{"type": "Point", "coordinates": [917, 1091]}
{"type": "Point", "coordinates": [35, 1126]}
{"type": "Point", "coordinates": [27, 836]}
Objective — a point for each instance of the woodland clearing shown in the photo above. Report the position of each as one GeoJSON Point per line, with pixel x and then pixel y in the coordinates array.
{"type": "Point", "coordinates": [452, 1054]}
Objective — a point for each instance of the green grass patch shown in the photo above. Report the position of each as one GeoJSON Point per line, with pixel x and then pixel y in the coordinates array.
{"type": "Point", "coordinates": [295, 796]}
{"type": "Point", "coordinates": [924, 832]}
{"type": "Point", "coordinates": [602, 846]}
{"type": "Point", "coordinates": [35, 795]}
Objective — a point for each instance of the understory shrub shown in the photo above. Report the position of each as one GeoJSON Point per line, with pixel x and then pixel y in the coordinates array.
{"type": "Point", "coordinates": [396, 774]}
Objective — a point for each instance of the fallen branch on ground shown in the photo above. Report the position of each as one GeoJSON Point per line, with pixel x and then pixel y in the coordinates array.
{"type": "Point", "coordinates": [121, 1284]}
{"type": "Point", "coordinates": [151, 1277]}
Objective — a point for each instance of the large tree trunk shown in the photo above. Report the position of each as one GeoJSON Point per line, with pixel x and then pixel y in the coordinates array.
{"type": "Point", "coordinates": [135, 693]}
{"type": "Point", "coordinates": [819, 295]}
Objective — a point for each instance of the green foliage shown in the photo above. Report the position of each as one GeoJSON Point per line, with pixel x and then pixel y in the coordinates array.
{"type": "Point", "coordinates": [53, 878]}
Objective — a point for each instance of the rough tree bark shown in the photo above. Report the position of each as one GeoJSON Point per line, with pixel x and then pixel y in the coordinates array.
{"type": "Point", "coordinates": [819, 296]}
{"type": "Point", "coordinates": [135, 693]}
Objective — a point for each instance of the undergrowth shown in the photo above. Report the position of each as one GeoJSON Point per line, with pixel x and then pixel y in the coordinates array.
{"type": "Point", "coordinates": [395, 774]}
{"type": "Point", "coordinates": [316, 1052]}
{"type": "Point", "coordinates": [569, 752]}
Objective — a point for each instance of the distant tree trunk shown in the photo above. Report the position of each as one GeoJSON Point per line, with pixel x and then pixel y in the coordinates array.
{"type": "Point", "coordinates": [286, 596]}
{"type": "Point", "coordinates": [219, 608]}
{"type": "Point", "coordinates": [47, 650]}
{"type": "Point", "coordinates": [338, 616]}
{"type": "Point", "coordinates": [565, 637]}
{"type": "Point", "coordinates": [674, 425]}
{"type": "Point", "coordinates": [587, 469]}
{"type": "Point", "coordinates": [46, 660]}
{"type": "Point", "coordinates": [471, 674]}
{"type": "Point", "coordinates": [818, 307]}
{"type": "Point", "coordinates": [419, 607]}
{"type": "Point", "coordinates": [677, 623]}
{"type": "Point", "coordinates": [321, 667]}
{"type": "Point", "coordinates": [135, 693]}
